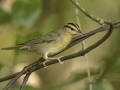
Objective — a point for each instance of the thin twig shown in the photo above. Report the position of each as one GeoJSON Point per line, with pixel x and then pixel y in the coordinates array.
{"type": "Point", "coordinates": [98, 20]}
{"type": "Point", "coordinates": [25, 81]}
{"type": "Point", "coordinates": [25, 69]}
{"type": "Point", "coordinates": [83, 47]}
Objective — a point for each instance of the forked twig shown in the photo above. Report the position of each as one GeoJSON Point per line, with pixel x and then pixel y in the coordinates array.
{"type": "Point", "coordinates": [83, 47]}
{"type": "Point", "coordinates": [25, 81]}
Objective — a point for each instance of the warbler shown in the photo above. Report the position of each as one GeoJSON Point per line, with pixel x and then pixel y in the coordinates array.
{"type": "Point", "coordinates": [51, 43]}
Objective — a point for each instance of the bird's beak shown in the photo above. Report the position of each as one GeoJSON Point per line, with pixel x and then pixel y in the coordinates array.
{"type": "Point", "coordinates": [79, 32]}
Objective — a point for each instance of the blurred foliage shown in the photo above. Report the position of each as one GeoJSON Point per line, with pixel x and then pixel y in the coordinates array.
{"type": "Point", "coordinates": [30, 18]}
{"type": "Point", "coordinates": [101, 85]}
{"type": "Point", "coordinates": [4, 17]}
{"type": "Point", "coordinates": [1, 66]}
{"type": "Point", "coordinates": [73, 78]}
{"type": "Point", "coordinates": [25, 12]}
{"type": "Point", "coordinates": [26, 88]}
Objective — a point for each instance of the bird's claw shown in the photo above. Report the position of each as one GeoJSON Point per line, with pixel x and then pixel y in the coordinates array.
{"type": "Point", "coordinates": [52, 58]}
{"type": "Point", "coordinates": [60, 60]}
{"type": "Point", "coordinates": [44, 63]}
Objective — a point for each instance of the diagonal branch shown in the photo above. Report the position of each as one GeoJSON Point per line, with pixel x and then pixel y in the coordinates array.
{"type": "Point", "coordinates": [25, 81]}
{"type": "Point", "coordinates": [94, 18]}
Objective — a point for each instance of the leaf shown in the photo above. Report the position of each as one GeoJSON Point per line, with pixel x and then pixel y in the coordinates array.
{"type": "Point", "coordinates": [4, 17]}
{"type": "Point", "coordinates": [25, 12]}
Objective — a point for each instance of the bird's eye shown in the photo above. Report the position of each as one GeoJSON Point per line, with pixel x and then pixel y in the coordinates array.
{"type": "Point", "coordinates": [72, 29]}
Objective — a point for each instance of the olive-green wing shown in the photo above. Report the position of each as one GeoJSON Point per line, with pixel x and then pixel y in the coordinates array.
{"type": "Point", "coordinates": [47, 38]}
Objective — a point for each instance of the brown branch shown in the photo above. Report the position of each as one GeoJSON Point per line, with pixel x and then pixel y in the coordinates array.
{"type": "Point", "coordinates": [25, 81]}
{"type": "Point", "coordinates": [94, 18]}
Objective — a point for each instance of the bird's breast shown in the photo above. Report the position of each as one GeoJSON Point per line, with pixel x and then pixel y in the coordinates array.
{"type": "Point", "coordinates": [59, 44]}
{"type": "Point", "coordinates": [52, 47]}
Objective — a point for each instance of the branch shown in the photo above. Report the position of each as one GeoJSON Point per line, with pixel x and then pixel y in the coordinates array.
{"type": "Point", "coordinates": [84, 47]}
{"type": "Point", "coordinates": [94, 18]}
{"type": "Point", "coordinates": [25, 81]}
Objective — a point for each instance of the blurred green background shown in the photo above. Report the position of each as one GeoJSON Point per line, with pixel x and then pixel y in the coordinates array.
{"type": "Point", "coordinates": [21, 20]}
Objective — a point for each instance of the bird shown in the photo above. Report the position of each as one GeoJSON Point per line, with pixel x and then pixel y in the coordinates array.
{"type": "Point", "coordinates": [50, 43]}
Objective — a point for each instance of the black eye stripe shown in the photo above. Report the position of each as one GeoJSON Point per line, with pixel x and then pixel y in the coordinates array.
{"type": "Point", "coordinates": [69, 27]}
{"type": "Point", "coordinates": [75, 25]}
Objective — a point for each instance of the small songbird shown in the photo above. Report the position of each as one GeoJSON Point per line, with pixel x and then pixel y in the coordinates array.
{"type": "Point", "coordinates": [51, 43]}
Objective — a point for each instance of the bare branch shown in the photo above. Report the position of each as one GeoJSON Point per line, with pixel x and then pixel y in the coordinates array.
{"type": "Point", "coordinates": [84, 47]}
{"type": "Point", "coordinates": [94, 18]}
{"type": "Point", "coordinates": [25, 81]}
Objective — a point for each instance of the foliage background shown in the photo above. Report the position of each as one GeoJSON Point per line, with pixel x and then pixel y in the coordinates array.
{"type": "Point", "coordinates": [21, 20]}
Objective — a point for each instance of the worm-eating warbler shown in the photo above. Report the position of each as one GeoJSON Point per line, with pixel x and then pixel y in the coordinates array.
{"type": "Point", "coordinates": [51, 43]}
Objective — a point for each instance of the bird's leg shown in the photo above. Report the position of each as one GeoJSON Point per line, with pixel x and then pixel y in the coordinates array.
{"type": "Point", "coordinates": [51, 58]}
{"type": "Point", "coordinates": [58, 58]}
{"type": "Point", "coordinates": [46, 58]}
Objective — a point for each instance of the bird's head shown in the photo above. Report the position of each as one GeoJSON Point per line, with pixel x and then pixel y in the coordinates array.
{"type": "Point", "coordinates": [72, 28]}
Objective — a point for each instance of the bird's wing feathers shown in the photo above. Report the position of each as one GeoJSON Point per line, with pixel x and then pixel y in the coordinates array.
{"type": "Point", "coordinates": [47, 38]}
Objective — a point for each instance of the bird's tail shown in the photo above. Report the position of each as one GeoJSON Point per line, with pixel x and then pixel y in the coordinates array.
{"type": "Point", "coordinates": [10, 48]}
{"type": "Point", "coordinates": [20, 47]}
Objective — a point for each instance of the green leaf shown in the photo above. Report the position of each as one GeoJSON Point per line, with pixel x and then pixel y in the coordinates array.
{"type": "Point", "coordinates": [4, 17]}
{"type": "Point", "coordinates": [25, 12]}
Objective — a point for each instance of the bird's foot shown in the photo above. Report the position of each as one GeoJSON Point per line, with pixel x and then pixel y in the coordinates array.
{"type": "Point", "coordinates": [58, 58]}
{"type": "Point", "coordinates": [52, 58]}
{"type": "Point", "coordinates": [44, 63]}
